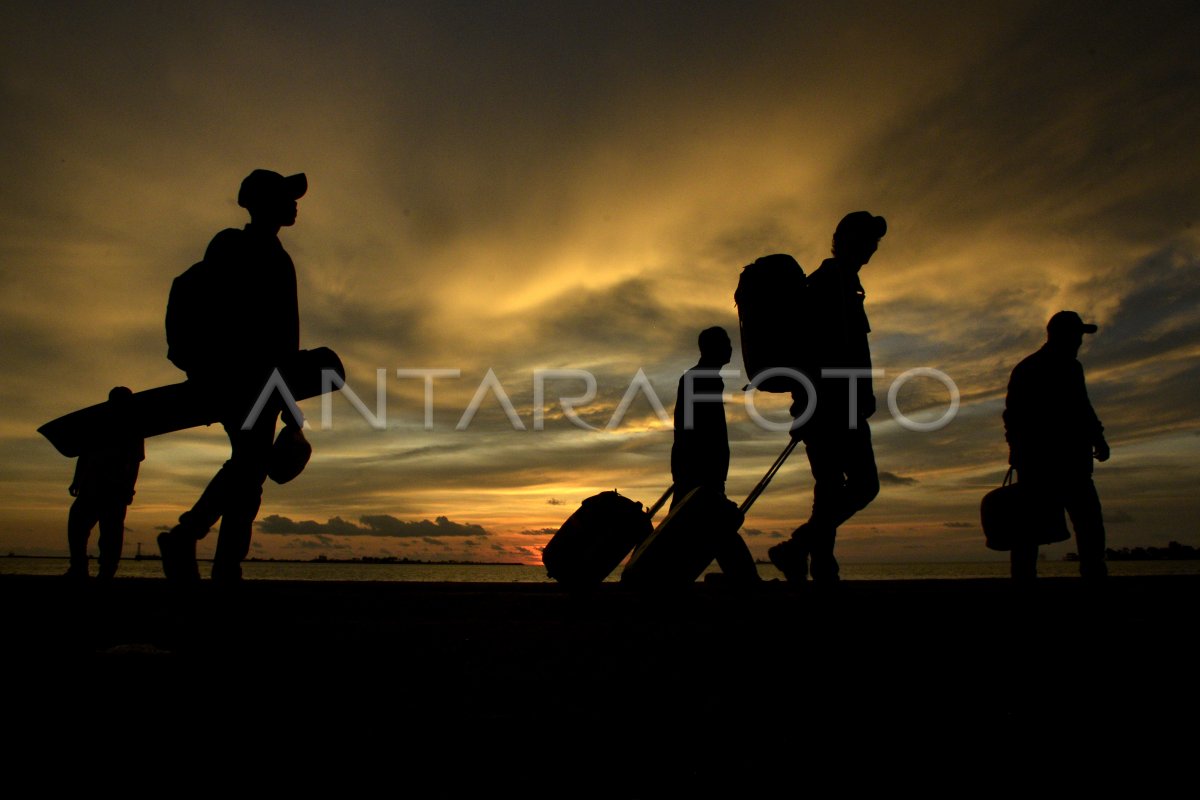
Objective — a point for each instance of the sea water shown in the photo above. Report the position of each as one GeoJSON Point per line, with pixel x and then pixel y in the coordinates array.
{"type": "Point", "coordinates": [536, 573]}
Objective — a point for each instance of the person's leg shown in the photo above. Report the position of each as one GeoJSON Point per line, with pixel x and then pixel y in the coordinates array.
{"type": "Point", "coordinates": [80, 521]}
{"type": "Point", "coordinates": [178, 546]}
{"type": "Point", "coordinates": [791, 557]}
{"type": "Point", "coordinates": [862, 475]}
{"type": "Point", "coordinates": [1023, 562]}
{"type": "Point", "coordinates": [245, 473]}
{"type": "Point", "coordinates": [829, 491]}
{"type": "Point", "coordinates": [826, 457]}
{"type": "Point", "coordinates": [1083, 506]}
{"type": "Point", "coordinates": [1043, 499]}
{"type": "Point", "coordinates": [209, 507]}
{"type": "Point", "coordinates": [846, 481]}
{"type": "Point", "coordinates": [235, 489]}
{"type": "Point", "coordinates": [853, 458]}
{"type": "Point", "coordinates": [112, 536]}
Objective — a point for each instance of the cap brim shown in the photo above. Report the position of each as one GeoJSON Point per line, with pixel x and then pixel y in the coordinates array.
{"type": "Point", "coordinates": [1086, 328]}
{"type": "Point", "coordinates": [295, 186]}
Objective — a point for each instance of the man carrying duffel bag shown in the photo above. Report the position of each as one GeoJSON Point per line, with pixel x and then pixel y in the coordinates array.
{"type": "Point", "coordinates": [1053, 434]}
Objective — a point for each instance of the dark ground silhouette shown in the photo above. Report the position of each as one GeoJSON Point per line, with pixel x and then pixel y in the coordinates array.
{"type": "Point", "coordinates": [700, 685]}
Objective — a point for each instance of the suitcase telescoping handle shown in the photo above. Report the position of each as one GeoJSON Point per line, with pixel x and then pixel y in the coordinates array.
{"type": "Point", "coordinates": [762, 485]}
{"type": "Point", "coordinates": [652, 510]}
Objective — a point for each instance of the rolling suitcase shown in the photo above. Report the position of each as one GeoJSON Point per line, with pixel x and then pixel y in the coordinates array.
{"type": "Point", "coordinates": [686, 542]}
{"type": "Point", "coordinates": [597, 537]}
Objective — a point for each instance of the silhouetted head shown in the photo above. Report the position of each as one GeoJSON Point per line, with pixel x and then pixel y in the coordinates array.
{"type": "Point", "coordinates": [1065, 331]}
{"type": "Point", "coordinates": [119, 394]}
{"type": "Point", "coordinates": [715, 347]}
{"type": "Point", "coordinates": [121, 401]}
{"type": "Point", "coordinates": [271, 198]}
{"type": "Point", "coordinates": [857, 237]}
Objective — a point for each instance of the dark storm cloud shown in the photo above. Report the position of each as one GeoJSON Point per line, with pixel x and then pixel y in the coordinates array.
{"type": "Point", "coordinates": [379, 335]}
{"type": "Point", "coordinates": [1156, 318]}
{"type": "Point", "coordinates": [370, 525]}
{"type": "Point", "coordinates": [621, 320]}
{"type": "Point", "coordinates": [539, 532]}
{"type": "Point", "coordinates": [892, 479]}
{"type": "Point", "coordinates": [1059, 125]}
{"type": "Point", "coordinates": [319, 543]}
{"type": "Point", "coordinates": [387, 525]}
{"type": "Point", "coordinates": [754, 533]}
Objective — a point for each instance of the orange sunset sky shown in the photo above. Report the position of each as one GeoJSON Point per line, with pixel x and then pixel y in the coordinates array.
{"type": "Point", "coordinates": [516, 186]}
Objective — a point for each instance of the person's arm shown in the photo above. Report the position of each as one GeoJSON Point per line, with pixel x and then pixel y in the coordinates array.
{"type": "Point", "coordinates": [73, 489]}
{"type": "Point", "coordinates": [131, 476]}
{"type": "Point", "coordinates": [1100, 449]}
{"type": "Point", "coordinates": [1016, 422]}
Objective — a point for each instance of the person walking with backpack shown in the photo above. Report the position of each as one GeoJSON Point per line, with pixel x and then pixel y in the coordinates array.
{"type": "Point", "coordinates": [837, 436]}
{"type": "Point", "coordinates": [232, 320]}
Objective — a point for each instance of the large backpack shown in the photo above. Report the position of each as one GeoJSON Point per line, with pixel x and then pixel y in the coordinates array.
{"type": "Point", "coordinates": [771, 300]}
{"type": "Point", "coordinates": [186, 306]}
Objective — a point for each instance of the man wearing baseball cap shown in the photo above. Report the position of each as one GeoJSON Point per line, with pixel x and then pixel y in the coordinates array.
{"type": "Point", "coordinates": [1053, 434]}
{"type": "Point", "coordinates": [251, 328]}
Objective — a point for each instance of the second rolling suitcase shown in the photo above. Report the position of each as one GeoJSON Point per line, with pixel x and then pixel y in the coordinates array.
{"type": "Point", "coordinates": [687, 541]}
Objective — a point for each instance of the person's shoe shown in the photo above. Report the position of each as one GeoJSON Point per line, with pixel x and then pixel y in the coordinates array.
{"type": "Point", "coordinates": [76, 573]}
{"type": "Point", "coordinates": [790, 558]}
{"type": "Point", "coordinates": [824, 571]}
{"type": "Point", "coordinates": [178, 550]}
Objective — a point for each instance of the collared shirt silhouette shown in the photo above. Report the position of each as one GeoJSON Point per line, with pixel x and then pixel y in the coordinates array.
{"type": "Point", "coordinates": [700, 453]}
{"type": "Point", "coordinates": [105, 476]}
{"type": "Point", "coordinates": [250, 285]}
{"type": "Point", "coordinates": [839, 322]}
{"type": "Point", "coordinates": [837, 437]}
{"type": "Point", "coordinates": [1053, 435]}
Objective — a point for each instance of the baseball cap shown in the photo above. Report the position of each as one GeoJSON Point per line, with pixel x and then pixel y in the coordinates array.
{"type": "Point", "coordinates": [861, 224]}
{"type": "Point", "coordinates": [1068, 322]}
{"type": "Point", "coordinates": [263, 185]}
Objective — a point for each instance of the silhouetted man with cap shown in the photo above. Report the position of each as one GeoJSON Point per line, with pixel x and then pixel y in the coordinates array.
{"type": "Point", "coordinates": [1053, 434]}
{"type": "Point", "coordinates": [249, 284]}
{"type": "Point", "coordinates": [837, 436]}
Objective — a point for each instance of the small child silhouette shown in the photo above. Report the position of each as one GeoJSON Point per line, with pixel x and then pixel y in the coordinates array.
{"type": "Point", "coordinates": [103, 488]}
